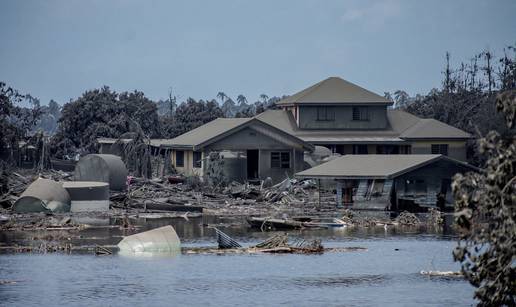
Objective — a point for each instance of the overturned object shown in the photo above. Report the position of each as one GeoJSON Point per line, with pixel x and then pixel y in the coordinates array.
{"type": "Point", "coordinates": [43, 195]}
{"type": "Point", "coordinates": [159, 240]}
{"type": "Point", "coordinates": [88, 195]}
{"type": "Point", "coordinates": [226, 241]}
{"type": "Point", "coordinates": [104, 168]}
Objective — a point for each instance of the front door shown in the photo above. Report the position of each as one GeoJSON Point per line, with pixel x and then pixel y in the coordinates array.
{"type": "Point", "coordinates": [252, 164]}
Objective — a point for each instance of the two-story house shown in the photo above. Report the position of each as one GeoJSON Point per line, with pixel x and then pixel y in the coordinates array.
{"type": "Point", "coordinates": [349, 119]}
{"type": "Point", "coordinates": [334, 113]}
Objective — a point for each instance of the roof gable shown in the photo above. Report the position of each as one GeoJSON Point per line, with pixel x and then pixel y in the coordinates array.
{"type": "Point", "coordinates": [222, 127]}
{"type": "Point", "coordinates": [334, 90]}
{"type": "Point", "coordinates": [205, 132]}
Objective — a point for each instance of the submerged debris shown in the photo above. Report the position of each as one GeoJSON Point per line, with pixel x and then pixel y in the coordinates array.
{"type": "Point", "coordinates": [435, 217]}
{"type": "Point", "coordinates": [225, 241]}
{"type": "Point", "coordinates": [407, 219]}
{"type": "Point", "coordinates": [275, 244]}
{"type": "Point", "coordinates": [442, 273]}
{"type": "Point", "coordinates": [102, 251]}
{"type": "Point", "coordinates": [160, 240]}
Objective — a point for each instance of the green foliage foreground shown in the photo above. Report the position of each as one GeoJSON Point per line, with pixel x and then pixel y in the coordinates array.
{"type": "Point", "coordinates": [485, 214]}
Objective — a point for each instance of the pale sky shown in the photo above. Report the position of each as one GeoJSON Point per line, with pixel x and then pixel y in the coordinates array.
{"type": "Point", "coordinates": [58, 49]}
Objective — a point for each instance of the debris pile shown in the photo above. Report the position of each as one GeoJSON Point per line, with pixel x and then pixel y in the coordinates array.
{"type": "Point", "coordinates": [354, 218]}
{"type": "Point", "coordinates": [435, 217]}
{"type": "Point", "coordinates": [407, 219]}
{"type": "Point", "coordinates": [277, 244]}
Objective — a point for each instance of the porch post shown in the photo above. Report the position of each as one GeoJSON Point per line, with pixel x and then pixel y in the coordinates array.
{"type": "Point", "coordinates": [293, 161]}
{"type": "Point", "coordinates": [339, 193]}
{"type": "Point", "coordinates": [319, 192]}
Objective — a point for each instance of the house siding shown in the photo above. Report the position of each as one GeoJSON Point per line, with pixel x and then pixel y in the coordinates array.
{"type": "Point", "coordinates": [279, 174]}
{"type": "Point", "coordinates": [343, 118]}
{"type": "Point", "coordinates": [188, 168]}
{"type": "Point", "coordinates": [456, 149]}
{"type": "Point", "coordinates": [246, 138]}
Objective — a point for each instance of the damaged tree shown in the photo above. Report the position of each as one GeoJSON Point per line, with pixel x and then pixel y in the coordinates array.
{"type": "Point", "coordinates": [485, 213]}
{"type": "Point", "coordinates": [15, 122]}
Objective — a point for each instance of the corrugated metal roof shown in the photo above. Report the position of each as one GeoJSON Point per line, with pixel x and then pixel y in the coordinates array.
{"type": "Point", "coordinates": [334, 90]}
{"type": "Point", "coordinates": [372, 166]}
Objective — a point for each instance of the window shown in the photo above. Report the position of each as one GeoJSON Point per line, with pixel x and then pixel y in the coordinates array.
{"type": "Point", "coordinates": [440, 149]}
{"type": "Point", "coordinates": [405, 149]}
{"type": "Point", "coordinates": [197, 159]}
{"type": "Point", "coordinates": [180, 158]}
{"type": "Point", "coordinates": [280, 159]}
{"type": "Point", "coordinates": [360, 150]}
{"type": "Point", "coordinates": [387, 149]}
{"type": "Point", "coordinates": [360, 113]}
{"type": "Point", "coordinates": [415, 187]}
{"type": "Point", "coordinates": [325, 114]}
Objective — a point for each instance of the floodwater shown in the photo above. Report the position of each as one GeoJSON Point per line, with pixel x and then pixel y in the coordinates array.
{"type": "Point", "coordinates": [386, 274]}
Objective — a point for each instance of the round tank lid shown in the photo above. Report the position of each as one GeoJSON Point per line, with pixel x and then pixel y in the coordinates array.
{"type": "Point", "coordinates": [84, 184]}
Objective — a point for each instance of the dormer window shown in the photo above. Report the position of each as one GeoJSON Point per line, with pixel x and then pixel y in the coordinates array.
{"type": "Point", "coordinates": [325, 114]}
{"type": "Point", "coordinates": [360, 113]}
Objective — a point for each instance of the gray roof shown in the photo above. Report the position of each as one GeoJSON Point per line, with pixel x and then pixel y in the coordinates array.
{"type": "Point", "coordinates": [205, 132]}
{"type": "Point", "coordinates": [373, 166]}
{"type": "Point", "coordinates": [219, 128]}
{"type": "Point", "coordinates": [108, 141]}
{"type": "Point", "coordinates": [401, 126]}
{"type": "Point", "coordinates": [429, 128]}
{"type": "Point", "coordinates": [334, 90]}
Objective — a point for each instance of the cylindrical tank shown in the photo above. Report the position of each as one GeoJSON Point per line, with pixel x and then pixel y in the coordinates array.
{"type": "Point", "coordinates": [88, 195]}
{"type": "Point", "coordinates": [43, 195]}
{"type": "Point", "coordinates": [103, 168]}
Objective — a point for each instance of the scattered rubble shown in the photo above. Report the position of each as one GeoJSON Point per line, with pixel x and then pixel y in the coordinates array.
{"type": "Point", "coordinates": [266, 204]}
{"type": "Point", "coordinates": [407, 219]}
{"type": "Point", "coordinates": [435, 217]}
{"type": "Point", "coordinates": [278, 244]}
{"type": "Point", "coordinates": [442, 273]}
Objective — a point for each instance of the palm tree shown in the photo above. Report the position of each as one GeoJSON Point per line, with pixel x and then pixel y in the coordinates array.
{"type": "Point", "coordinates": [228, 107]}
{"type": "Point", "coordinates": [241, 99]}
{"type": "Point", "coordinates": [401, 99]}
{"type": "Point", "coordinates": [222, 96]}
{"type": "Point", "coordinates": [264, 97]}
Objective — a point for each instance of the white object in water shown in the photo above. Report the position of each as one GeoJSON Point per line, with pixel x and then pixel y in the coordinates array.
{"type": "Point", "coordinates": [159, 240]}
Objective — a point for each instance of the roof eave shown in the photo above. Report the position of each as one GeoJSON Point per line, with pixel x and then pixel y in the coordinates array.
{"type": "Point", "coordinates": [295, 103]}
{"type": "Point", "coordinates": [177, 146]}
{"type": "Point", "coordinates": [341, 177]}
{"type": "Point", "coordinates": [464, 138]}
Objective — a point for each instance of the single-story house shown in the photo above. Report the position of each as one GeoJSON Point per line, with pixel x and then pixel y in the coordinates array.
{"type": "Point", "coordinates": [251, 148]}
{"type": "Point", "coordinates": [391, 182]}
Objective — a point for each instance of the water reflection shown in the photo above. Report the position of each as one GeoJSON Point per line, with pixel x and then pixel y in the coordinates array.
{"type": "Point", "coordinates": [386, 274]}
